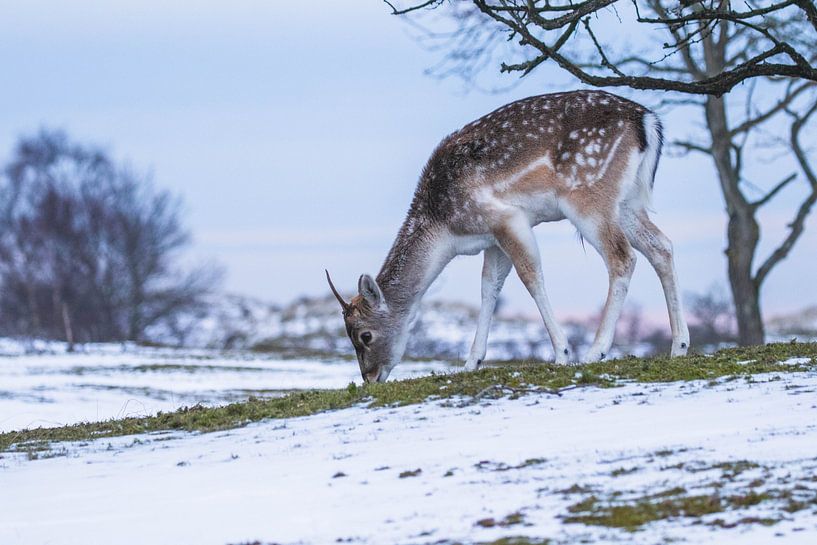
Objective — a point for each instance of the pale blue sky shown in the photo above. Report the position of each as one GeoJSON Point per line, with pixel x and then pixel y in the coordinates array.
{"type": "Point", "coordinates": [296, 132]}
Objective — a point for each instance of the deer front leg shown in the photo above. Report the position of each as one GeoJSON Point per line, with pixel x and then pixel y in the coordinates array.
{"type": "Point", "coordinates": [516, 239]}
{"type": "Point", "coordinates": [495, 269]}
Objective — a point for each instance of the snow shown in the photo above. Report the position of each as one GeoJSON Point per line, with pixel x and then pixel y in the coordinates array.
{"type": "Point", "coordinates": [276, 481]}
{"type": "Point", "coordinates": [112, 381]}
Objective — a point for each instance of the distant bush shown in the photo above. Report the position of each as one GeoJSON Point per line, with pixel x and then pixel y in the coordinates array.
{"type": "Point", "coordinates": [88, 250]}
{"type": "Point", "coordinates": [713, 318]}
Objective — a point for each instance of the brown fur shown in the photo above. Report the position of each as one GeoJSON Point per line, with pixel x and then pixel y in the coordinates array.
{"type": "Point", "coordinates": [565, 153]}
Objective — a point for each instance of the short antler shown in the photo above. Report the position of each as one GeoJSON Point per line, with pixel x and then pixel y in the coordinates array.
{"type": "Point", "coordinates": [343, 303]}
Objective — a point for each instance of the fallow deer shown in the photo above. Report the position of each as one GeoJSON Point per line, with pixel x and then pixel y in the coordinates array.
{"type": "Point", "coordinates": [586, 156]}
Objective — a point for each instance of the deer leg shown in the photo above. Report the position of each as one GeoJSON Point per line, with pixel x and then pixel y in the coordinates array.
{"type": "Point", "coordinates": [516, 239]}
{"type": "Point", "coordinates": [657, 248]}
{"type": "Point", "coordinates": [495, 269]}
{"type": "Point", "coordinates": [611, 242]}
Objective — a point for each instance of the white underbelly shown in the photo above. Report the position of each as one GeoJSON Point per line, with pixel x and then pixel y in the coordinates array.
{"type": "Point", "coordinates": [471, 244]}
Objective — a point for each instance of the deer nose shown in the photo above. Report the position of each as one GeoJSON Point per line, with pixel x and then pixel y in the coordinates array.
{"type": "Point", "coordinates": [371, 376]}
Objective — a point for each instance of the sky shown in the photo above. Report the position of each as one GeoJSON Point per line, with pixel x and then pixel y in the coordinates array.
{"type": "Point", "coordinates": [295, 132]}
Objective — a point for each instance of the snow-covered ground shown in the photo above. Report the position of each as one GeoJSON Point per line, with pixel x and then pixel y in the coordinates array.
{"type": "Point", "coordinates": [99, 382]}
{"type": "Point", "coordinates": [440, 474]}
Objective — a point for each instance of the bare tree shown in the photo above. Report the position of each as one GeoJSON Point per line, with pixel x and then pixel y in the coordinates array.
{"type": "Point", "coordinates": [701, 49]}
{"type": "Point", "coordinates": [89, 250]}
{"type": "Point", "coordinates": [549, 30]}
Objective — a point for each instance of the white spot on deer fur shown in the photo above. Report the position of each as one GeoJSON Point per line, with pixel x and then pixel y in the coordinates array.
{"type": "Point", "coordinates": [602, 131]}
{"type": "Point", "coordinates": [524, 121]}
{"type": "Point", "coordinates": [550, 129]}
{"type": "Point", "coordinates": [592, 161]}
{"type": "Point", "coordinates": [580, 160]}
{"type": "Point", "coordinates": [572, 179]}
{"type": "Point", "coordinates": [610, 156]}
{"type": "Point", "coordinates": [565, 156]}
{"type": "Point", "coordinates": [574, 135]}
{"type": "Point", "coordinates": [508, 182]}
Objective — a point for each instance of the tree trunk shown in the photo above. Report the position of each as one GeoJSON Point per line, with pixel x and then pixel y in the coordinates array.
{"type": "Point", "coordinates": [69, 331]}
{"type": "Point", "coordinates": [62, 309]}
{"type": "Point", "coordinates": [31, 297]}
{"type": "Point", "coordinates": [743, 232]}
{"type": "Point", "coordinates": [742, 236]}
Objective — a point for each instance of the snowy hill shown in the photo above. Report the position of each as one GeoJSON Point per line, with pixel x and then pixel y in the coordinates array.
{"type": "Point", "coordinates": [314, 326]}
{"type": "Point", "coordinates": [723, 460]}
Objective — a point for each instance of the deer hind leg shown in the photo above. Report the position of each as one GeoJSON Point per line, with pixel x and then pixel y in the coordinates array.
{"type": "Point", "coordinates": [608, 238]}
{"type": "Point", "coordinates": [657, 248]}
{"type": "Point", "coordinates": [495, 269]}
{"type": "Point", "coordinates": [516, 239]}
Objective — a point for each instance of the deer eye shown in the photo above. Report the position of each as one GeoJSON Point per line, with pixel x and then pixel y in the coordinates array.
{"type": "Point", "coordinates": [366, 337]}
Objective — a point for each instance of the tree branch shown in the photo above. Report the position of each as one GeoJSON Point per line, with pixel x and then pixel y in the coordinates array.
{"type": "Point", "coordinates": [691, 146]}
{"type": "Point", "coordinates": [781, 105]}
{"type": "Point", "coordinates": [770, 195]}
{"type": "Point", "coordinates": [811, 11]}
{"type": "Point", "coordinates": [798, 223]}
{"type": "Point", "coordinates": [395, 11]}
{"type": "Point", "coordinates": [533, 22]}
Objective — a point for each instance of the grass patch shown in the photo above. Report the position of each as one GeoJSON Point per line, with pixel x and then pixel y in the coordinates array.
{"type": "Point", "coordinates": [510, 520]}
{"type": "Point", "coordinates": [631, 514]}
{"type": "Point", "coordinates": [490, 382]}
{"type": "Point", "coordinates": [634, 514]}
{"type": "Point", "coordinates": [507, 540]}
{"type": "Point", "coordinates": [517, 540]}
{"type": "Point", "coordinates": [624, 471]}
{"type": "Point", "coordinates": [764, 521]}
{"type": "Point", "coordinates": [487, 465]}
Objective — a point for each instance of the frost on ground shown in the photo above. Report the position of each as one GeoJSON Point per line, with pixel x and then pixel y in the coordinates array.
{"type": "Point", "coordinates": [727, 461]}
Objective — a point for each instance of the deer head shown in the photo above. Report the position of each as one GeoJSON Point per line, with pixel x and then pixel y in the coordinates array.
{"type": "Point", "coordinates": [372, 328]}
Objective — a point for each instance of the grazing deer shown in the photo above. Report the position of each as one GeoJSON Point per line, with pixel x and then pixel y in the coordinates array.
{"type": "Point", "coordinates": [586, 156]}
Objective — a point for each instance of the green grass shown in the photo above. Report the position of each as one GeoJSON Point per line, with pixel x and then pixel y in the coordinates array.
{"type": "Point", "coordinates": [510, 520]}
{"type": "Point", "coordinates": [489, 383]}
{"type": "Point", "coordinates": [633, 514]}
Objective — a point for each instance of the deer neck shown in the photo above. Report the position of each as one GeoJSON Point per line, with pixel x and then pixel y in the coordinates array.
{"type": "Point", "coordinates": [419, 253]}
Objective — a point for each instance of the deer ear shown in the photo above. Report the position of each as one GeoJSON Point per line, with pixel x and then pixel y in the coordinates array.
{"type": "Point", "coordinates": [369, 290]}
